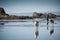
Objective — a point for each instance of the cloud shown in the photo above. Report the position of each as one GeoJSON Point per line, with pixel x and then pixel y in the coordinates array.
{"type": "Point", "coordinates": [19, 6]}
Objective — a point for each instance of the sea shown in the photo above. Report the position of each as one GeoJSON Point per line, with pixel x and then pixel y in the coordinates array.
{"type": "Point", "coordinates": [25, 29]}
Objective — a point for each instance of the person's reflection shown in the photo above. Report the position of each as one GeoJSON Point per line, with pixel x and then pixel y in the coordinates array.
{"type": "Point", "coordinates": [36, 29]}
{"type": "Point", "coordinates": [51, 27]}
{"type": "Point", "coordinates": [47, 21]}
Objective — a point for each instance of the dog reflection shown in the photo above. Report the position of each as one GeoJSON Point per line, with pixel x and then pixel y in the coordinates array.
{"type": "Point", "coordinates": [51, 27]}
{"type": "Point", "coordinates": [36, 32]}
{"type": "Point", "coordinates": [36, 29]}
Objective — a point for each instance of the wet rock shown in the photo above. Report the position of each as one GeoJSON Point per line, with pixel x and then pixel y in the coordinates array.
{"type": "Point", "coordinates": [2, 10]}
{"type": "Point", "coordinates": [42, 15]}
{"type": "Point", "coordinates": [4, 15]}
{"type": "Point", "coordinates": [35, 15]}
{"type": "Point", "coordinates": [39, 15]}
{"type": "Point", "coordinates": [51, 15]}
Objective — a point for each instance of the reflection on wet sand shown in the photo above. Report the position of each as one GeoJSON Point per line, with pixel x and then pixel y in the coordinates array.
{"type": "Point", "coordinates": [36, 29]}
{"type": "Point", "coordinates": [2, 24]}
{"type": "Point", "coordinates": [47, 21]}
{"type": "Point", "coordinates": [51, 27]}
{"type": "Point", "coordinates": [36, 24]}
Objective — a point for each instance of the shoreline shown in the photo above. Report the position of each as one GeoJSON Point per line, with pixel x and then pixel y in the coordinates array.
{"type": "Point", "coordinates": [4, 15]}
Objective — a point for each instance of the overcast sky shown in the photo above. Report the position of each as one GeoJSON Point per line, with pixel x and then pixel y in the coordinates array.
{"type": "Point", "coordinates": [21, 6]}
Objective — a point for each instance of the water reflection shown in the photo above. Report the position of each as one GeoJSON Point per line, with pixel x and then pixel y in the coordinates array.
{"type": "Point", "coordinates": [20, 31]}
{"type": "Point", "coordinates": [47, 21]}
{"type": "Point", "coordinates": [2, 24]}
{"type": "Point", "coordinates": [51, 27]}
{"type": "Point", "coordinates": [36, 23]}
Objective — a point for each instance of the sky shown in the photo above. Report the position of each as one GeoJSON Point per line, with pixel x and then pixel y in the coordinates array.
{"type": "Point", "coordinates": [21, 6]}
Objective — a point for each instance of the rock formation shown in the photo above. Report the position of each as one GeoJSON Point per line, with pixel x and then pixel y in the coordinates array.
{"type": "Point", "coordinates": [44, 15]}
{"type": "Point", "coordinates": [2, 10]}
{"type": "Point", "coordinates": [39, 15]}
{"type": "Point", "coordinates": [4, 15]}
{"type": "Point", "coordinates": [50, 15]}
{"type": "Point", "coordinates": [36, 15]}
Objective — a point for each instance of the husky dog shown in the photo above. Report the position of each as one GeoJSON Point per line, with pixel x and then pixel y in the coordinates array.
{"type": "Point", "coordinates": [36, 29]}
{"type": "Point", "coordinates": [51, 27]}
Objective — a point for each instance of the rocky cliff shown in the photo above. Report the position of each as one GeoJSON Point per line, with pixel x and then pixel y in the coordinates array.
{"type": "Point", "coordinates": [51, 15]}
{"type": "Point", "coordinates": [39, 15]}
{"type": "Point", "coordinates": [2, 10]}
{"type": "Point", "coordinates": [4, 15]}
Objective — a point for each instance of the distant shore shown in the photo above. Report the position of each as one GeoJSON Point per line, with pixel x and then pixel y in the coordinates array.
{"type": "Point", "coordinates": [4, 15]}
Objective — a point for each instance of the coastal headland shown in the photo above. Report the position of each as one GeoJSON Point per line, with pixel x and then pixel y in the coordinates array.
{"type": "Point", "coordinates": [4, 15]}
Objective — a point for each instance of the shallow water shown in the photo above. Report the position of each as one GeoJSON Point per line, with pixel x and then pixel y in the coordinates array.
{"type": "Point", "coordinates": [25, 30]}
